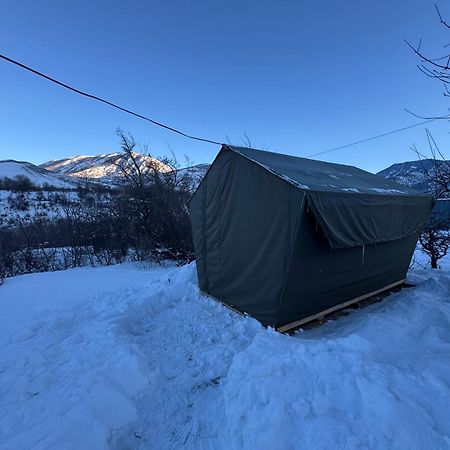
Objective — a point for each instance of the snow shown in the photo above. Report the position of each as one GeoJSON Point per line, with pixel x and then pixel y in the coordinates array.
{"type": "Point", "coordinates": [37, 175]}
{"type": "Point", "coordinates": [290, 180]}
{"type": "Point", "coordinates": [415, 174]}
{"type": "Point", "coordinates": [387, 191]}
{"type": "Point", "coordinates": [40, 205]}
{"type": "Point", "coordinates": [134, 357]}
{"type": "Point", "coordinates": [100, 168]}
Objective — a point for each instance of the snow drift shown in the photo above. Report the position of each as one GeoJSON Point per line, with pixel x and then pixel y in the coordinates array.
{"type": "Point", "coordinates": [133, 357]}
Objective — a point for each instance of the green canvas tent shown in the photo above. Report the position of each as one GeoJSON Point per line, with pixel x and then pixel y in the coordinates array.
{"type": "Point", "coordinates": [284, 238]}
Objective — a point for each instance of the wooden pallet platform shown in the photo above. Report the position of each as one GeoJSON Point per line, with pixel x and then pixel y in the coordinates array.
{"type": "Point", "coordinates": [317, 319]}
{"type": "Point", "coordinates": [292, 326]}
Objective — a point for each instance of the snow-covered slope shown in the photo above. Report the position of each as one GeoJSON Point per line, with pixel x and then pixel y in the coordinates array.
{"type": "Point", "coordinates": [127, 357]}
{"type": "Point", "coordinates": [415, 174]}
{"type": "Point", "coordinates": [104, 168]}
{"type": "Point", "coordinates": [196, 173]}
{"type": "Point", "coordinates": [38, 175]}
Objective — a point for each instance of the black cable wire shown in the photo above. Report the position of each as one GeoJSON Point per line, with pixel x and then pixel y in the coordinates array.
{"type": "Point", "coordinates": [94, 97]}
{"type": "Point", "coordinates": [378, 136]}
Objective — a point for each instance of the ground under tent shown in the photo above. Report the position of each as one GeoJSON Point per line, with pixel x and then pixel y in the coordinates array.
{"type": "Point", "coordinates": [284, 238]}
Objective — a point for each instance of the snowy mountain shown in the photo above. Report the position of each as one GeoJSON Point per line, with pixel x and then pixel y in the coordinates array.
{"type": "Point", "coordinates": [68, 172]}
{"type": "Point", "coordinates": [101, 168]}
{"type": "Point", "coordinates": [196, 173]}
{"type": "Point", "coordinates": [38, 176]}
{"type": "Point", "coordinates": [414, 174]}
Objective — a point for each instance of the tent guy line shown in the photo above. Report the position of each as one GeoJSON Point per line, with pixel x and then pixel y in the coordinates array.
{"type": "Point", "coordinates": [186, 135]}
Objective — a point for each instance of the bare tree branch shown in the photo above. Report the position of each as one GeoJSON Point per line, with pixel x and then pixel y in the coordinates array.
{"type": "Point", "coordinates": [440, 17]}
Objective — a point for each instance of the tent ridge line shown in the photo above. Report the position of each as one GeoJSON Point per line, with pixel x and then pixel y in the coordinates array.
{"type": "Point", "coordinates": [343, 192]}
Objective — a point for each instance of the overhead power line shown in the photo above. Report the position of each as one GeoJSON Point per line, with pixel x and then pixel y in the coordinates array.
{"type": "Point", "coordinates": [378, 136]}
{"type": "Point", "coordinates": [186, 135]}
{"type": "Point", "coordinates": [94, 97]}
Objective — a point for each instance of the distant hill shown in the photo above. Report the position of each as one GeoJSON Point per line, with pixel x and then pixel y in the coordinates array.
{"type": "Point", "coordinates": [101, 168]}
{"type": "Point", "coordinates": [415, 174]}
{"type": "Point", "coordinates": [69, 172]}
{"type": "Point", "coordinates": [196, 172]}
{"type": "Point", "coordinates": [37, 175]}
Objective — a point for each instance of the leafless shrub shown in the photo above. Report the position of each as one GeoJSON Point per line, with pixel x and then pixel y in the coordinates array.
{"type": "Point", "coordinates": [154, 197]}
{"type": "Point", "coordinates": [435, 239]}
{"type": "Point", "coordinates": [145, 218]}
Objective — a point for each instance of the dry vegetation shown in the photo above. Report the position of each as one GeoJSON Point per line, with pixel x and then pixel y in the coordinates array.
{"type": "Point", "coordinates": [146, 218]}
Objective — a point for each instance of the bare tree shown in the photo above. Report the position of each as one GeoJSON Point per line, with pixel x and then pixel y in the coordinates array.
{"type": "Point", "coordinates": [154, 196]}
{"type": "Point", "coordinates": [128, 164]}
{"type": "Point", "coordinates": [437, 67]}
{"type": "Point", "coordinates": [435, 238]}
{"type": "Point", "coordinates": [145, 218]}
{"type": "Point", "coordinates": [438, 176]}
{"type": "Point", "coordinates": [245, 141]}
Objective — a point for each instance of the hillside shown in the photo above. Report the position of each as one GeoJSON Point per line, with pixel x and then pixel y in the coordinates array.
{"type": "Point", "coordinates": [37, 175]}
{"type": "Point", "coordinates": [101, 168]}
{"type": "Point", "coordinates": [70, 172]}
{"type": "Point", "coordinates": [196, 173]}
{"type": "Point", "coordinates": [415, 174]}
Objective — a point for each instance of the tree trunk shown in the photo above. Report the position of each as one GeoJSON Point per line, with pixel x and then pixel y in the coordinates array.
{"type": "Point", "coordinates": [434, 262]}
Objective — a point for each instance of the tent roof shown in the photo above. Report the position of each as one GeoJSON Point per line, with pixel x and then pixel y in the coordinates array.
{"type": "Point", "coordinates": [320, 176]}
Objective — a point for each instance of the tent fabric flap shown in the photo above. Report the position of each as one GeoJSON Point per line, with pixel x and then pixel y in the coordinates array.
{"type": "Point", "coordinates": [351, 220]}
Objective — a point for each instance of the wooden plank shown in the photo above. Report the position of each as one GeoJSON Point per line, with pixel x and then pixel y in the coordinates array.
{"type": "Point", "coordinates": [223, 303]}
{"type": "Point", "coordinates": [300, 322]}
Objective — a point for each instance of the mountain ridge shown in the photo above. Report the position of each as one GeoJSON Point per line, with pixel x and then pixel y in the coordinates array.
{"type": "Point", "coordinates": [104, 168]}
{"type": "Point", "coordinates": [415, 174]}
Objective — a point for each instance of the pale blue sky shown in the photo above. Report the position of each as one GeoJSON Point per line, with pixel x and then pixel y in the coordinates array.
{"type": "Point", "coordinates": [297, 77]}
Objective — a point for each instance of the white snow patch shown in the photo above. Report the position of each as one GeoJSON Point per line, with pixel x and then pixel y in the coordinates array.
{"type": "Point", "coordinates": [37, 175]}
{"type": "Point", "coordinates": [387, 191]}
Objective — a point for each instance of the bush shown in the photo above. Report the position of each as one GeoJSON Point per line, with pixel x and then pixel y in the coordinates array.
{"type": "Point", "coordinates": [20, 183]}
{"type": "Point", "coordinates": [145, 218]}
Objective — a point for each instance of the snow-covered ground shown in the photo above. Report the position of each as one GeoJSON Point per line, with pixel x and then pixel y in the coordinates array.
{"type": "Point", "coordinates": [21, 207]}
{"type": "Point", "coordinates": [33, 205]}
{"type": "Point", "coordinates": [128, 357]}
